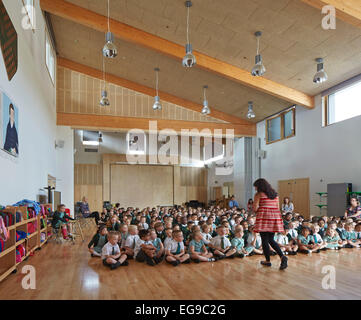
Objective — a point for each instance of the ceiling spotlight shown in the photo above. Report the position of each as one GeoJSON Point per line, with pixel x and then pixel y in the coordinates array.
{"type": "Point", "coordinates": [100, 138]}
{"type": "Point", "coordinates": [104, 101]}
{"type": "Point", "coordinates": [157, 105]}
{"type": "Point", "coordinates": [109, 50]}
{"type": "Point", "coordinates": [259, 69]}
{"type": "Point", "coordinates": [321, 75]}
{"type": "Point", "coordinates": [189, 59]}
{"type": "Point", "coordinates": [250, 113]}
{"type": "Point", "coordinates": [205, 110]}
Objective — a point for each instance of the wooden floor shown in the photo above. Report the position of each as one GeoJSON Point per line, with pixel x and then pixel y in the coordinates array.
{"type": "Point", "coordinates": [67, 271]}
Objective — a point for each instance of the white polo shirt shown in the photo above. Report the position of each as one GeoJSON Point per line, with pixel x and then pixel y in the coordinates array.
{"type": "Point", "coordinates": [108, 250]}
{"type": "Point", "coordinates": [173, 245]}
{"type": "Point", "coordinates": [138, 244]}
{"type": "Point", "coordinates": [131, 241]}
{"type": "Point", "coordinates": [206, 237]}
{"type": "Point", "coordinates": [216, 241]}
{"type": "Point", "coordinates": [166, 241]}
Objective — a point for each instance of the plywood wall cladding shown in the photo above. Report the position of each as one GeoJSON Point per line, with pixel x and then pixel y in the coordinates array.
{"type": "Point", "coordinates": [88, 174]}
{"type": "Point", "coordinates": [193, 177]}
{"type": "Point", "coordinates": [79, 93]}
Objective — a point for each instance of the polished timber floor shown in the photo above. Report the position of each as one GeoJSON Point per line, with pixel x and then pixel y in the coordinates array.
{"type": "Point", "coordinates": [66, 271]}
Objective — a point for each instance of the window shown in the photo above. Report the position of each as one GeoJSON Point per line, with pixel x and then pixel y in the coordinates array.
{"type": "Point", "coordinates": [49, 57]}
{"type": "Point", "coordinates": [281, 126]}
{"type": "Point", "coordinates": [343, 104]}
{"type": "Point", "coordinates": [30, 11]}
{"type": "Point", "coordinates": [90, 138]}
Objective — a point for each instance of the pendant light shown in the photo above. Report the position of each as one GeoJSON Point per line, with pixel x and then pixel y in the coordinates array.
{"type": "Point", "coordinates": [250, 113]}
{"type": "Point", "coordinates": [104, 101]}
{"type": "Point", "coordinates": [205, 110]}
{"type": "Point", "coordinates": [259, 69]}
{"type": "Point", "coordinates": [109, 49]}
{"type": "Point", "coordinates": [321, 75]}
{"type": "Point", "coordinates": [157, 105]}
{"type": "Point", "coordinates": [189, 59]}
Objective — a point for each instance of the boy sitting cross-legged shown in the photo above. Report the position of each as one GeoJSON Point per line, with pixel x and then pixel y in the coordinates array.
{"type": "Point", "coordinates": [174, 250]}
{"type": "Point", "coordinates": [144, 249]}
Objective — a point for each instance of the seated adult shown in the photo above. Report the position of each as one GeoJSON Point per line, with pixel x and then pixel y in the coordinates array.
{"type": "Point", "coordinates": [84, 209]}
{"type": "Point", "coordinates": [233, 203]}
{"type": "Point", "coordinates": [287, 205]}
{"type": "Point", "coordinates": [354, 211]}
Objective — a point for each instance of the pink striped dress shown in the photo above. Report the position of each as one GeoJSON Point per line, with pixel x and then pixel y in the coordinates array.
{"type": "Point", "coordinates": [268, 216]}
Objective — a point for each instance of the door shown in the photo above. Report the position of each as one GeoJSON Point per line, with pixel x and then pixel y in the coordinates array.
{"type": "Point", "coordinates": [299, 193]}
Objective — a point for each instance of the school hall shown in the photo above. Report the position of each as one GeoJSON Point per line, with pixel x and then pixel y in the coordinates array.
{"type": "Point", "coordinates": [176, 150]}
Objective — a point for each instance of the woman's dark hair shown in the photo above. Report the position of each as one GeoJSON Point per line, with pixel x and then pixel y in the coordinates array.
{"type": "Point", "coordinates": [263, 186]}
{"type": "Point", "coordinates": [250, 201]}
{"type": "Point", "coordinates": [11, 107]}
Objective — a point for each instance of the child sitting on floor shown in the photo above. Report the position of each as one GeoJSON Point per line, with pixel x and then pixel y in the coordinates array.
{"type": "Point", "coordinates": [113, 223]}
{"type": "Point", "coordinates": [238, 242]}
{"type": "Point", "coordinates": [254, 242]}
{"type": "Point", "coordinates": [98, 241]}
{"type": "Point", "coordinates": [157, 243]}
{"type": "Point", "coordinates": [111, 255]}
{"type": "Point", "coordinates": [317, 239]}
{"type": "Point", "coordinates": [197, 249]}
{"type": "Point", "coordinates": [332, 239]}
{"type": "Point", "coordinates": [206, 237]}
{"type": "Point", "coordinates": [221, 246]}
{"type": "Point", "coordinates": [174, 251]}
{"type": "Point", "coordinates": [351, 237]}
{"type": "Point", "coordinates": [306, 243]}
{"type": "Point", "coordinates": [168, 233]}
{"type": "Point", "coordinates": [130, 242]}
{"type": "Point", "coordinates": [144, 249]}
{"type": "Point", "coordinates": [286, 245]}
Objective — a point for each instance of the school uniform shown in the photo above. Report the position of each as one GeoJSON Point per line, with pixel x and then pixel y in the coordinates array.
{"type": "Point", "coordinates": [317, 239]}
{"type": "Point", "coordinates": [221, 242]}
{"type": "Point", "coordinates": [305, 240]}
{"type": "Point", "coordinates": [131, 241]}
{"type": "Point", "coordinates": [258, 243]}
{"type": "Point", "coordinates": [237, 243]}
{"type": "Point", "coordinates": [114, 227]}
{"type": "Point", "coordinates": [330, 241]}
{"type": "Point", "coordinates": [342, 233]}
{"type": "Point", "coordinates": [281, 239]}
{"type": "Point", "coordinates": [166, 240]}
{"type": "Point", "coordinates": [161, 235]}
{"type": "Point", "coordinates": [175, 247]}
{"type": "Point", "coordinates": [206, 237]}
{"type": "Point", "coordinates": [123, 238]}
{"type": "Point", "coordinates": [292, 234]}
{"type": "Point", "coordinates": [156, 243]}
{"type": "Point", "coordinates": [198, 245]}
{"type": "Point", "coordinates": [98, 242]}
{"type": "Point", "coordinates": [139, 254]}
{"type": "Point", "coordinates": [145, 225]}
{"type": "Point", "coordinates": [109, 250]}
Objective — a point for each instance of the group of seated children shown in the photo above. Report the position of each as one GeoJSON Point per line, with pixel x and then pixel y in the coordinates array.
{"type": "Point", "coordinates": [179, 235]}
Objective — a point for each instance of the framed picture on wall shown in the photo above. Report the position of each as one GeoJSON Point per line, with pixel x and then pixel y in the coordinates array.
{"type": "Point", "coordinates": [9, 120]}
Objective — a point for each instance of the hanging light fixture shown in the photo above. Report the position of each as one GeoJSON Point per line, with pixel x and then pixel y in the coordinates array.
{"type": "Point", "coordinates": [157, 105]}
{"type": "Point", "coordinates": [250, 113]}
{"type": "Point", "coordinates": [189, 59]}
{"type": "Point", "coordinates": [259, 69]}
{"type": "Point", "coordinates": [205, 110]}
{"type": "Point", "coordinates": [109, 49]}
{"type": "Point", "coordinates": [104, 101]}
{"type": "Point", "coordinates": [321, 75]}
{"type": "Point", "coordinates": [100, 138]}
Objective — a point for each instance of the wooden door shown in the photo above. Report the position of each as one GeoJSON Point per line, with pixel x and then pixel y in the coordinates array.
{"type": "Point", "coordinates": [298, 192]}
{"type": "Point", "coordinates": [217, 193]}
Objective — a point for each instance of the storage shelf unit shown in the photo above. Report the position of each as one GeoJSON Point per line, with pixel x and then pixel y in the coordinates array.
{"type": "Point", "coordinates": [32, 242]}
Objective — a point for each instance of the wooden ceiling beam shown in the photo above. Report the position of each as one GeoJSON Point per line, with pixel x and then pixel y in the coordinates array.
{"type": "Point", "coordinates": [348, 11]}
{"type": "Point", "coordinates": [100, 122]}
{"type": "Point", "coordinates": [95, 73]}
{"type": "Point", "coordinates": [128, 33]}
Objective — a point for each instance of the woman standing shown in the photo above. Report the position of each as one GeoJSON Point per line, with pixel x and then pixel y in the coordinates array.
{"type": "Point", "coordinates": [268, 220]}
{"type": "Point", "coordinates": [287, 205]}
{"type": "Point", "coordinates": [354, 211]}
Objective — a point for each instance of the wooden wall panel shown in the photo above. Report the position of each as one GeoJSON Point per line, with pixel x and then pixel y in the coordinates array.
{"type": "Point", "coordinates": [141, 185]}
{"type": "Point", "coordinates": [80, 93]}
{"type": "Point", "coordinates": [88, 182]}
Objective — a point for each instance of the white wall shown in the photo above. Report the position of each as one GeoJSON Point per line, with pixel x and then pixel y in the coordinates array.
{"type": "Point", "coordinates": [34, 94]}
{"type": "Point", "coordinates": [65, 166]}
{"type": "Point", "coordinates": [324, 154]}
